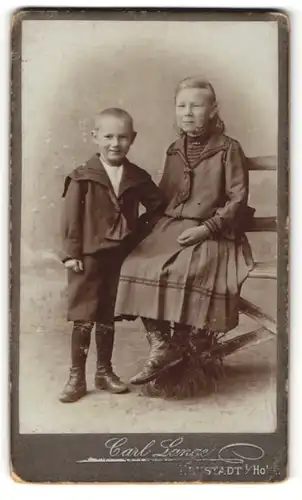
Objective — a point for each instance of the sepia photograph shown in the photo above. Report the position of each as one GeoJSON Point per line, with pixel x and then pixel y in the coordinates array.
{"type": "Point", "coordinates": [149, 286]}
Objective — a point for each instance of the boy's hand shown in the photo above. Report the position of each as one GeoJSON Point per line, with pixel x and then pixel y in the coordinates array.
{"type": "Point", "coordinates": [75, 265]}
{"type": "Point", "coordinates": [193, 235]}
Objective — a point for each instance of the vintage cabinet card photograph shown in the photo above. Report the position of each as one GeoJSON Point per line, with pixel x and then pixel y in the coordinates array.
{"type": "Point", "coordinates": [149, 245]}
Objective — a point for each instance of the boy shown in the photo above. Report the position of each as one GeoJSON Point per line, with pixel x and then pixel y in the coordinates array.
{"type": "Point", "coordinates": [100, 220]}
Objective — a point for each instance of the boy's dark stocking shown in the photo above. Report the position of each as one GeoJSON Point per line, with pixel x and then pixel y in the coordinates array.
{"type": "Point", "coordinates": [76, 388]}
{"type": "Point", "coordinates": [163, 354]}
{"type": "Point", "coordinates": [105, 378]}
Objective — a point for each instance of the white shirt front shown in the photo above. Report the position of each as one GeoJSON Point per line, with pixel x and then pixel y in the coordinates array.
{"type": "Point", "coordinates": [115, 175]}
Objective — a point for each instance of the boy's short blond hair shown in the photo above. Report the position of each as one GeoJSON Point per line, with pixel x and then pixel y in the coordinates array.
{"type": "Point", "coordinates": [117, 113]}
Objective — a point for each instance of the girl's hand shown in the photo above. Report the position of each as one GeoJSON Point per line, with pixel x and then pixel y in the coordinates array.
{"type": "Point", "coordinates": [75, 265]}
{"type": "Point", "coordinates": [193, 235]}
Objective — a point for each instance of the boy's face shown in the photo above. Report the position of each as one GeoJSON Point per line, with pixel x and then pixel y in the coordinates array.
{"type": "Point", "coordinates": [114, 137]}
{"type": "Point", "coordinates": [194, 109]}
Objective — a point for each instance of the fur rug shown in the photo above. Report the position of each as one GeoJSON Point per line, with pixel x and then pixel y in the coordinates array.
{"type": "Point", "coordinates": [201, 368]}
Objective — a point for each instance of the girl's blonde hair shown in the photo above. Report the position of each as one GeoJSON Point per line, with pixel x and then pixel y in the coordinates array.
{"type": "Point", "coordinates": [193, 82]}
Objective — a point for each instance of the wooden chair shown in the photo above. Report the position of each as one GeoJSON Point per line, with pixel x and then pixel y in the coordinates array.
{"type": "Point", "coordinates": [201, 370]}
{"type": "Point", "coordinates": [262, 270]}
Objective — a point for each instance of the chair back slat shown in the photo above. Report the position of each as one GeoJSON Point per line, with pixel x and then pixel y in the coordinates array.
{"type": "Point", "coordinates": [261, 224]}
{"type": "Point", "coordinates": [262, 163]}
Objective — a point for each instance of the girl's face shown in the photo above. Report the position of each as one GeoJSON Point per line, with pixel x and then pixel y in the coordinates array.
{"type": "Point", "coordinates": [194, 109]}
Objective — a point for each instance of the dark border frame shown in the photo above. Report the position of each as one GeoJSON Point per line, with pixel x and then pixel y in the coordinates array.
{"type": "Point", "coordinates": [57, 457]}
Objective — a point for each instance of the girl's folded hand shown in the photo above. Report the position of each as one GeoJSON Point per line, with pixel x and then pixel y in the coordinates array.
{"type": "Point", "coordinates": [193, 235]}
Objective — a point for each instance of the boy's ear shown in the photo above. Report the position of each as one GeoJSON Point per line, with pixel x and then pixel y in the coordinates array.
{"type": "Point", "coordinates": [93, 135]}
{"type": "Point", "coordinates": [134, 134]}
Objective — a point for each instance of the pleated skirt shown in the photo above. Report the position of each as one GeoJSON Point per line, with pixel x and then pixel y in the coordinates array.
{"type": "Point", "coordinates": [198, 285]}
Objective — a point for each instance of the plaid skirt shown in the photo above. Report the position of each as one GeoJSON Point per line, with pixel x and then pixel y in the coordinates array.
{"type": "Point", "coordinates": [197, 285]}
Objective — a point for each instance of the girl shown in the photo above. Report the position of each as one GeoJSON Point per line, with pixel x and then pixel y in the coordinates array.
{"type": "Point", "coordinates": [190, 269]}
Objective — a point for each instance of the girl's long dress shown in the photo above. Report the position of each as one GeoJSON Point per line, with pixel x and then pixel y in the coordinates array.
{"type": "Point", "coordinates": [198, 285]}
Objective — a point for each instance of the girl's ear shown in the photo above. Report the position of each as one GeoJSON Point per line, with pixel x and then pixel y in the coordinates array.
{"type": "Point", "coordinates": [214, 110]}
